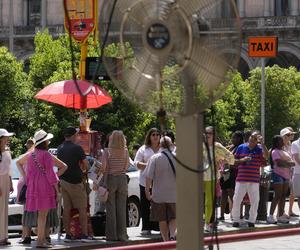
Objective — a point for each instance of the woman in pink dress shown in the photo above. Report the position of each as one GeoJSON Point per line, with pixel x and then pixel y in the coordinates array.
{"type": "Point", "coordinates": [41, 183]}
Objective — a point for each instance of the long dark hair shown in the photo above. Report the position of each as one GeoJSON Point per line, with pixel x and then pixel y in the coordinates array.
{"type": "Point", "coordinates": [277, 139]}
{"type": "Point", "coordinates": [240, 140]}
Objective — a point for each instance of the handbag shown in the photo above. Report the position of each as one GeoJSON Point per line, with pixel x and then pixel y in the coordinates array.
{"type": "Point", "coordinates": [103, 193]}
{"type": "Point", "coordinates": [22, 195]}
{"type": "Point", "coordinates": [102, 189]}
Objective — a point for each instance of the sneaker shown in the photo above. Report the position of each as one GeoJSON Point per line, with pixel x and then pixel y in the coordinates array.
{"type": "Point", "coordinates": [271, 220]}
{"type": "Point", "coordinates": [236, 224]}
{"type": "Point", "coordinates": [250, 224]}
{"type": "Point", "coordinates": [208, 228]}
{"type": "Point", "coordinates": [294, 215]}
{"type": "Point", "coordinates": [285, 216]}
{"type": "Point", "coordinates": [69, 238]}
{"type": "Point", "coordinates": [26, 240]}
{"type": "Point", "coordinates": [282, 219]}
{"type": "Point", "coordinates": [48, 239]}
{"type": "Point", "coordinates": [146, 232]}
{"type": "Point", "coordinates": [87, 239]}
{"type": "Point", "coordinates": [172, 238]}
{"type": "Point", "coordinates": [221, 218]}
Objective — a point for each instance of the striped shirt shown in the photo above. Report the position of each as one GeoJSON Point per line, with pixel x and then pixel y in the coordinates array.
{"type": "Point", "coordinates": [115, 161]}
{"type": "Point", "coordinates": [249, 171]}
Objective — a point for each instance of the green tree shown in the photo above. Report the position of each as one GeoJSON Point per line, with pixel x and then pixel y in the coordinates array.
{"type": "Point", "coordinates": [282, 99]}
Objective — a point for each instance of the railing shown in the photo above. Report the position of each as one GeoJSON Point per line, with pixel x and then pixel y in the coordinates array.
{"type": "Point", "coordinates": [275, 22]}
{"type": "Point", "coordinates": [248, 23]}
{"type": "Point", "coordinates": [30, 31]}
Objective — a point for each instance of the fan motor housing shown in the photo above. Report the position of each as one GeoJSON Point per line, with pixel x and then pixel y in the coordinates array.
{"type": "Point", "coordinates": [157, 37]}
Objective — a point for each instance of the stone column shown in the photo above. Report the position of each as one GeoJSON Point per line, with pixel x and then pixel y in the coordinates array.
{"type": "Point", "coordinates": [294, 7]}
{"type": "Point", "coordinates": [241, 8]}
{"type": "Point", "coordinates": [44, 14]}
{"type": "Point", "coordinates": [267, 8]}
{"type": "Point", "coordinates": [11, 26]}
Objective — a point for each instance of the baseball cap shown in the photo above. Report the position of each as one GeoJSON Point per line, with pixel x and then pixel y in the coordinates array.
{"type": "Point", "coordinates": [4, 132]}
{"type": "Point", "coordinates": [286, 131]}
{"type": "Point", "coordinates": [70, 130]}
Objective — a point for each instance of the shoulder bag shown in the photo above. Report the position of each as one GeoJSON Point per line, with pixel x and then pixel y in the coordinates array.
{"type": "Point", "coordinates": [171, 163]}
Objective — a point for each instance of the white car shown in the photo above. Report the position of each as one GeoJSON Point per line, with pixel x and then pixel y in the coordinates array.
{"type": "Point", "coordinates": [15, 211]}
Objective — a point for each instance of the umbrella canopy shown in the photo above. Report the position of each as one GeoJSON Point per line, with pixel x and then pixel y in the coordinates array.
{"type": "Point", "coordinates": [67, 94]}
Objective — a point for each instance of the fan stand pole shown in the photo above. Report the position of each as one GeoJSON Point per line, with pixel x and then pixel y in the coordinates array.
{"type": "Point", "coordinates": [189, 185]}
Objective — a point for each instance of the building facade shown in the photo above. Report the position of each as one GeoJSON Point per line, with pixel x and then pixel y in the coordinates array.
{"type": "Point", "coordinates": [21, 19]}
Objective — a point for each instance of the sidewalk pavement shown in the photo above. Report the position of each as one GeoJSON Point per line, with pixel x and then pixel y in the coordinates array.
{"type": "Point", "coordinates": [224, 229]}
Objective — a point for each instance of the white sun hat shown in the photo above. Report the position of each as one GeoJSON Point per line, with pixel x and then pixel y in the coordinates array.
{"type": "Point", "coordinates": [41, 136]}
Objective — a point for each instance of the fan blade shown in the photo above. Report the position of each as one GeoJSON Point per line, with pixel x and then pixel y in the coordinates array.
{"type": "Point", "coordinates": [146, 63]}
{"type": "Point", "coordinates": [190, 7]}
{"type": "Point", "coordinates": [138, 85]}
{"type": "Point", "coordinates": [123, 5]}
{"type": "Point", "coordinates": [205, 65]}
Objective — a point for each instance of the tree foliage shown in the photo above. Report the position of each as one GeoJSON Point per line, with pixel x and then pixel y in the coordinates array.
{"type": "Point", "coordinates": [238, 109]}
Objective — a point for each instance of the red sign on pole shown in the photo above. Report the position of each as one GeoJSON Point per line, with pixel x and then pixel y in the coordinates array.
{"type": "Point", "coordinates": [80, 18]}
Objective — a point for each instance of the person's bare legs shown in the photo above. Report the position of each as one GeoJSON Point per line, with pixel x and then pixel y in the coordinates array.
{"type": "Point", "coordinates": [291, 203]}
{"type": "Point", "coordinates": [164, 230]}
{"type": "Point", "coordinates": [281, 204]}
{"type": "Point", "coordinates": [42, 216]}
{"type": "Point", "coordinates": [278, 190]}
{"type": "Point", "coordinates": [172, 228]}
{"type": "Point", "coordinates": [83, 220]}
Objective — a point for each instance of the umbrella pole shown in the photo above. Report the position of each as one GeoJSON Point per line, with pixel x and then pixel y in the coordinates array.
{"type": "Point", "coordinates": [83, 101]}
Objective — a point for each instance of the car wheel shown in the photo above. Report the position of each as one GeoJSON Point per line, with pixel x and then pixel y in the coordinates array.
{"type": "Point", "coordinates": [134, 214]}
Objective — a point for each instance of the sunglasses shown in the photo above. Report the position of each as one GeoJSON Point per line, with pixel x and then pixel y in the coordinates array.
{"type": "Point", "coordinates": [209, 133]}
{"type": "Point", "coordinates": [288, 134]}
{"type": "Point", "coordinates": [155, 134]}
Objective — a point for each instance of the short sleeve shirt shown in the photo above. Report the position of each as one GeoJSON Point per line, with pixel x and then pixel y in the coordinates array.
{"type": "Point", "coordinates": [71, 153]}
{"type": "Point", "coordinates": [143, 155]}
{"type": "Point", "coordinates": [249, 171]}
{"type": "Point", "coordinates": [164, 182]}
{"type": "Point", "coordinates": [277, 155]}
{"type": "Point", "coordinates": [296, 150]}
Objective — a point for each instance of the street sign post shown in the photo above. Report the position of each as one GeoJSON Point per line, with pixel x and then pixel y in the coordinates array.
{"type": "Point", "coordinates": [262, 47]}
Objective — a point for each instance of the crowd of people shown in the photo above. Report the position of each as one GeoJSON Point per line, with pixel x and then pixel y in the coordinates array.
{"type": "Point", "coordinates": [232, 175]}
{"type": "Point", "coordinates": [240, 178]}
{"type": "Point", "coordinates": [44, 186]}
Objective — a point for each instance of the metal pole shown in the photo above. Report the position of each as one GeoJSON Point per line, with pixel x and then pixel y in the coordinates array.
{"type": "Point", "coordinates": [262, 107]}
{"type": "Point", "coordinates": [11, 26]}
{"type": "Point", "coordinates": [189, 185]}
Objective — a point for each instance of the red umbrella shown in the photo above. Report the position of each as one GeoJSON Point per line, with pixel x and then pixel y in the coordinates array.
{"type": "Point", "coordinates": [67, 94]}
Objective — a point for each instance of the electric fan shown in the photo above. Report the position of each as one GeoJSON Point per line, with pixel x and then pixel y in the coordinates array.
{"type": "Point", "coordinates": [174, 55]}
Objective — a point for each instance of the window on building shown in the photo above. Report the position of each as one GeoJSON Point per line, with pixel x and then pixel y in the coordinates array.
{"type": "Point", "coordinates": [227, 9]}
{"type": "Point", "coordinates": [281, 7]}
{"type": "Point", "coordinates": [34, 12]}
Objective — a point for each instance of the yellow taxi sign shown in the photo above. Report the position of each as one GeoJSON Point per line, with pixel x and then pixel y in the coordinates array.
{"type": "Point", "coordinates": [263, 46]}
